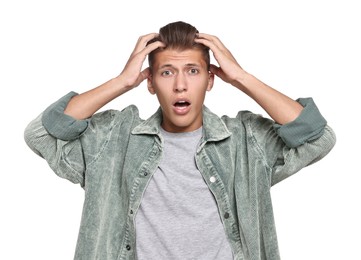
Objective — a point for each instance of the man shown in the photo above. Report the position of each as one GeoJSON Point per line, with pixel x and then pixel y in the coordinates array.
{"type": "Point", "coordinates": [183, 184]}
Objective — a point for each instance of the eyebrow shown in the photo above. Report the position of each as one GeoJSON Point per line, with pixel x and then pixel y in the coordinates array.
{"type": "Point", "coordinates": [186, 65]}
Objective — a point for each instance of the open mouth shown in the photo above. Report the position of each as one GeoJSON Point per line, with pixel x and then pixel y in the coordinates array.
{"type": "Point", "coordinates": [181, 104]}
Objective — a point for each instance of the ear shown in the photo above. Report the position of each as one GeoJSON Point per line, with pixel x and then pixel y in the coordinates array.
{"type": "Point", "coordinates": [150, 84]}
{"type": "Point", "coordinates": [210, 81]}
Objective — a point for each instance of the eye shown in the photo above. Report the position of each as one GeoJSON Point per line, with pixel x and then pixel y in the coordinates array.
{"type": "Point", "coordinates": [193, 71]}
{"type": "Point", "coordinates": [166, 73]}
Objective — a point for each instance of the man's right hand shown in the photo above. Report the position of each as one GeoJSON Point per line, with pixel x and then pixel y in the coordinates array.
{"type": "Point", "coordinates": [86, 104]}
{"type": "Point", "coordinates": [132, 75]}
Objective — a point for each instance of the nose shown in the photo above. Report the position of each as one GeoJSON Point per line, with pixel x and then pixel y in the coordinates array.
{"type": "Point", "coordinates": [180, 83]}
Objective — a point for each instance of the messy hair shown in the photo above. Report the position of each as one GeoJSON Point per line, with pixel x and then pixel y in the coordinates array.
{"type": "Point", "coordinates": [178, 36]}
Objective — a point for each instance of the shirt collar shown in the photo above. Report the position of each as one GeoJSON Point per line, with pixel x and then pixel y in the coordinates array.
{"type": "Point", "coordinates": [213, 127]}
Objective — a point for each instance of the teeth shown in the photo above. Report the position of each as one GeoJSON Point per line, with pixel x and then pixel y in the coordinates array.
{"type": "Point", "coordinates": [182, 103]}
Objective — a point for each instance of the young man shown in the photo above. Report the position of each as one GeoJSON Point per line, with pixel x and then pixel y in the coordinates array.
{"type": "Point", "coordinates": [183, 184]}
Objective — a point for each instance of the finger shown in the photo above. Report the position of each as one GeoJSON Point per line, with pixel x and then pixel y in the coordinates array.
{"type": "Point", "coordinates": [143, 40]}
{"type": "Point", "coordinates": [216, 70]}
{"type": "Point", "coordinates": [218, 49]}
{"type": "Point", "coordinates": [212, 39]}
{"type": "Point", "coordinates": [214, 43]}
{"type": "Point", "coordinates": [141, 77]}
{"type": "Point", "coordinates": [151, 47]}
{"type": "Point", "coordinates": [214, 46]}
{"type": "Point", "coordinates": [145, 73]}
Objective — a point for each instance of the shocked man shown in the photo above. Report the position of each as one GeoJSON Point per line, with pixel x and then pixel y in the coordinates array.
{"type": "Point", "coordinates": [185, 183]}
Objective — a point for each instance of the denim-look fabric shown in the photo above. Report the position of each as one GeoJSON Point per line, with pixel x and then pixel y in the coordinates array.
{"type": "Point", "coordinates": [114, 154]}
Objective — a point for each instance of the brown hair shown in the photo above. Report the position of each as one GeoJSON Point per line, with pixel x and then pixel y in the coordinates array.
{"type": "Point", "coordinates": [178, 36]}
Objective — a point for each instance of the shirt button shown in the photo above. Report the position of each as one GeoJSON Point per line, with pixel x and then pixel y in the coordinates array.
{"type": "Point", "coordinates": [212, 179]}
{"type": "Point", "coordinates": [128, 247]}
{"type": "Point", "coordinates": [226, 215]}
{"type": "Point", "coordinates": [145, 174]}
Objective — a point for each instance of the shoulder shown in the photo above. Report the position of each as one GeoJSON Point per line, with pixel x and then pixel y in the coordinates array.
{"type": "Point", "coordinates": [247, 120]}
{"type": "Point", "coordinates": [114, 115]}
{"type": "Point", "coordinates": [107, 120]}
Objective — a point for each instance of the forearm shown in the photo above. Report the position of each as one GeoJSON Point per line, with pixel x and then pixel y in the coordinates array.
{"type": "Point", "coordinates": [280, 107]}
{"type": "Point", "coordinates": [84, 105]}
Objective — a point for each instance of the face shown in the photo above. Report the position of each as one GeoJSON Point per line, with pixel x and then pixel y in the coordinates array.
{"type": "Point", "coordinates": [180, 79]}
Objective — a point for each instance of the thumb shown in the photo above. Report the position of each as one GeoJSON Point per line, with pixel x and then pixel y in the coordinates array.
{"type": "Point", "coordinates": [144, 74]}
{"type": "Point", "coordinates": [216, 71]}
{"type": "Point", "coordinates": [141, 77]}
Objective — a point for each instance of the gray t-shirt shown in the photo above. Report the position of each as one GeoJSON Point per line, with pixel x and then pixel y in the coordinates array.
{"type": "Point", "coordinates": [178, 217]}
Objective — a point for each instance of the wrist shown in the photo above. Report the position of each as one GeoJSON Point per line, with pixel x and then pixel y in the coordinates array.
{"type": "Point", "coordinates": [120, 85]}
{"type": "Point", "coordinates": [242, 80]}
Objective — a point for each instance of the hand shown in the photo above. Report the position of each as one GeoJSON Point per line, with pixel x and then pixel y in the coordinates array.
{"type": "Point", "coordinates": [280, 107]}
{"type": "Point", "coordinates": [132, 75]}
{"type": "Point", "coordinates": [229, 70]}
{"type": "Point", "coordinates": [86, 104]}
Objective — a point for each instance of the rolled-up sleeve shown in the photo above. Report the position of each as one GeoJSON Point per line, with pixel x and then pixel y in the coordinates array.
{"type": "Point", "coordinates": [53, 136]}
{"type": "Point", "coordinates": [308, 126]}
{"type": "Point", "coordinates": [288, 148]}
{"type": "Point", "coordinates": [60, 125]}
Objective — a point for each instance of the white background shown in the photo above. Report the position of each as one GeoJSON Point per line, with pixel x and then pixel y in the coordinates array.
{"type": "Point", "coordinates": [302, 48]}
